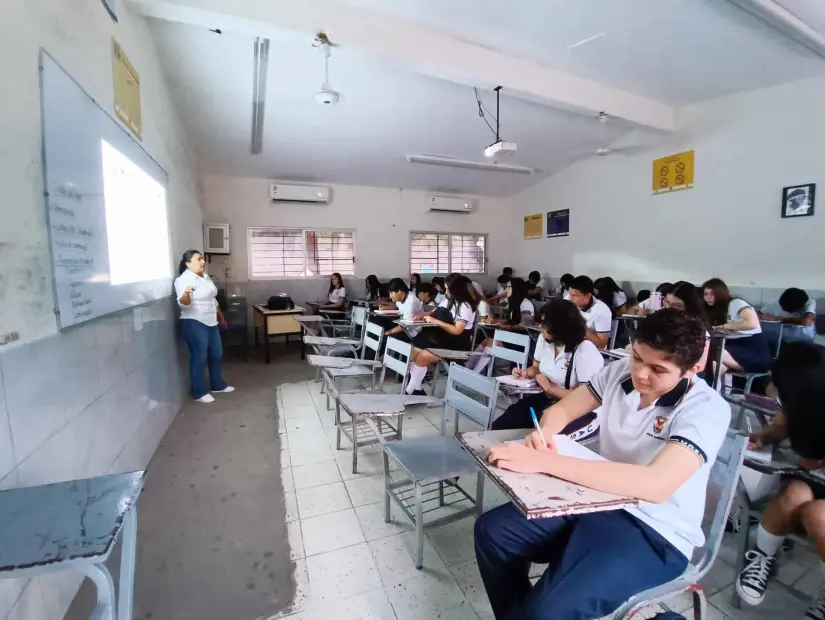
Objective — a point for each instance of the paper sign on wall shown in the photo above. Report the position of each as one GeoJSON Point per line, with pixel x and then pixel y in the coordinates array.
{"type": "Point", "coordinates": [127, 91]}
{"type": "Point", "coordinates": [558, 223]}
{"type": "Point", "coordinates": [673, 173]}
{"type": "Point", "coordinates": [533, 226]}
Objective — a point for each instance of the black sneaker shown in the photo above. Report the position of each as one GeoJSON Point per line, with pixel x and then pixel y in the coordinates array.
{"type": "Point", "coordinates": [419, 393]}
{"type": "Point", "coordinates": [817, 609]}
{"type": "Point", "coordinates": [752, 583]}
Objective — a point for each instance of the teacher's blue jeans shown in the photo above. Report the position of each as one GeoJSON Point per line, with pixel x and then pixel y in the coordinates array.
{"type": "Point", "coordinates": [597, 561]}
{"type": "Point", "coordinates": [205, 348]}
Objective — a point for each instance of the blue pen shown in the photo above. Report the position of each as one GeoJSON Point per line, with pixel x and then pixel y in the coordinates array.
{"type": "Point", "coordinates": [536, 424]}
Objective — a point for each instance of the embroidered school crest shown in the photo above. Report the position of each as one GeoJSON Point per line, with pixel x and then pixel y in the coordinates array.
{"type": "Point", "coordinates": [659, 424]}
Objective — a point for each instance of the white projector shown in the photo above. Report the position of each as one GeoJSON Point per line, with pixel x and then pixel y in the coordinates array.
{"type": "Point", "coordinates": [505, 148]}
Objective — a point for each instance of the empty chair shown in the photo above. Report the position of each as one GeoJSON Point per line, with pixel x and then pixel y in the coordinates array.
{"type": "Point", "coordinates": [518, 352]}
{"type": "Point", "coordinates": [427, 462]}
{"type": "Point", "coordinates": [722, 485]}
{"type": "Point", "coordinates": [373, 337]}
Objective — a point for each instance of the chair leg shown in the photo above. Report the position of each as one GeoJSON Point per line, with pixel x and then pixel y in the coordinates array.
{"type": "Point", "coordinates": [440, 492]}
{"type": "Point", "coordinates": [749, 384]}
{"type": "Point", "coordinates": [742, 539]}
{"type": "Point", "coordinates": [700, 604]}
{"type": "Point", "coordinates": [338, 430]}
{"type": "Point", "coordinates": [419, 527]}
{"type": "Point", "coordinates": [479, 494]}
{"type": "Point", "coordinates": [399, 426]}
{"type": "Point", "coordinates": [126, 589]}
{"type": "Point", "coordinates": [386, 487]}
{"type": "Point", "coordinates": [354, 443]}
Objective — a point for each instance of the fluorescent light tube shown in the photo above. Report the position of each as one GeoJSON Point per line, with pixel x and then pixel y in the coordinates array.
{"type": "Point", "coordinates": [442, 160]}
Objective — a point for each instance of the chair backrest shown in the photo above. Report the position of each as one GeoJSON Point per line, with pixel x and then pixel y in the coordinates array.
{"type": "Point", "coordinates": [469, 394]}
{"type": "Point", "coordinates": [373, 335]}
{"type": "Point", "coordinates": [400, 362]}
{"type": "Point", "coordinates": [722, 485]}
{"type": "Point", "coordinates": [614, 330]}
{"type": "Point", "coordinates": [500, 352]}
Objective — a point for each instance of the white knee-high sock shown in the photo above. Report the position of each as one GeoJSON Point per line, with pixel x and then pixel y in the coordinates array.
{"type": "Point", "coordinates": [768, 543]}
{"type": "Point", "coordinates": [482, 362]}
{"type": "Point", "coordinates": [417, 374]}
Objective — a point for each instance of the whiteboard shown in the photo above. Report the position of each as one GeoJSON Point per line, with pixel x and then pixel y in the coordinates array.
{"type": "Point", "coordinates": [78, 138]}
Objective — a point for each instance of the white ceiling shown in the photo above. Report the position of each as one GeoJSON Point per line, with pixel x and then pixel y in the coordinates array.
{"type": "Point", "coordinates": [385, 113]}
{"type": "Point", "coordinates": [674, 51]}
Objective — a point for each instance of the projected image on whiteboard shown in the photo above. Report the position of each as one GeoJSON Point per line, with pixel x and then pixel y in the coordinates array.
{"type": "Point", "coordinates": [136, 221]}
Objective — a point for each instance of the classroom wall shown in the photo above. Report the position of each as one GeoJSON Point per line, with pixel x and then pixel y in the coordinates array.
{"type": "Point", "coordinates": [97, 398]}
{"type": "Point", "coordinates": [748, 147]}
{"type": "Point", "coordinates": [382, 219]}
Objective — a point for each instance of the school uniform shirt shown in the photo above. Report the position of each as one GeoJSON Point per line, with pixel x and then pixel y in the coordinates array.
{"type": "Point", "coordinates": [619, 299]}
{"type": "Point", "coordinates": [735, 306]}
{"type": "Point", "coordinates": [541, 284]}
{"type": "Point", "coordinates": [566, 296]}
{"type": "Point", "coordinates": [796, 332]}
{"type": "Point", "coordinates": [336, 294]}
{"type": "Point", "coordinates": [462, 313]}
{"type": "Point", "coordinates": [203, 305]}
{"type": "Point", "coordinates": [408, 307]}
{"type": "Point", "coordinates": [499, 290]}
{"type": "Point", "coordinates": [586, 362]}
{"type": "Point", "coordinates": [598, 316]}
{"type": "Point", "coordinates": [692, 415]}
{"type": "Point", "coordinates": [527, 307]}
{"type": "Point", "coordinates": [439, 298]}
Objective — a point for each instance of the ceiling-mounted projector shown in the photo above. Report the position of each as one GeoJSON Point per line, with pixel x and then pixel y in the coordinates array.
{"type": "Point", "coordinates": [503, 147]}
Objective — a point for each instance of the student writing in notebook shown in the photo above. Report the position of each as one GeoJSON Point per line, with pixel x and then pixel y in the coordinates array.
{"type": "Point", "coordinates": [799, 377]}
{"type": "Point", "coordinates": [563, 360]}
{"type": "Point", "coordinates": [661, 429]}
{"type": "Point", "coordinates": [426, 295]}
{"type": "Point", "coordinates": [408, 305]}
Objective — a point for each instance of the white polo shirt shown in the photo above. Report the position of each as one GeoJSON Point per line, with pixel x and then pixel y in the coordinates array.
{"type": "Point", "coordinates": [461, 313]}
{"type": "Point", "coordinates": [439, 298]}
{"type": "Point", "coordinates": [541, 284]}
{"type": "Point", "coordinates": [619, 299]}
{"type": "Point", "coordinates": [692, 415]}
{"type": "Point", "coordinates": [336, 294]}
{"type": "Point", "coordinates": [408, 307]}
{"type": "Point", "coordinates": [554, 364]}
{"type": "Point", "coordinates": [203, 306]}
{"type": "Point", "coordinates": [527, 307]}
{"type": "Point", "coordinates": [598, 316]}
{"type": "Point", "coordinates": [735, 306]}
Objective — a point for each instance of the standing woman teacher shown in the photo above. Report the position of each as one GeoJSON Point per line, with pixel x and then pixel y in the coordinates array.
{"type": "Point", "coordinates": [199, 320]}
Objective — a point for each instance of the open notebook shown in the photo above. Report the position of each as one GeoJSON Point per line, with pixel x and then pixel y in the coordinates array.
{"type": "Point", "coordinates": [512, 381]}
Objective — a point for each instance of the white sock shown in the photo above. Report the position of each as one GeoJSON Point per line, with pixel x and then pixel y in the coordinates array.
{"type": "Point", "coordinates": [767, 543]}
{"type": "Point", "coordinates": [417, 374]}
{"type": "Point", "coordinates": [482, 361]}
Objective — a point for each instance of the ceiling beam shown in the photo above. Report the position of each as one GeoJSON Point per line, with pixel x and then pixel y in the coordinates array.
{"type": "Point", "coordinates": [420, 48]}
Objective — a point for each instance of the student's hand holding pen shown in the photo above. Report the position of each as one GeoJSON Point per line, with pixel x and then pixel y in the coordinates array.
{"type": "Point", "coordinates": [535, 441]}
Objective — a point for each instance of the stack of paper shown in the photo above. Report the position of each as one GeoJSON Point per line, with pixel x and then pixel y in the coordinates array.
{"type": "Point", "coordinates": [520, 383]}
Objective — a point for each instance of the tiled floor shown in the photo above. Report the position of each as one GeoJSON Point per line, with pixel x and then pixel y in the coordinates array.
{"type": "Point", "coordinates": [350, 564]}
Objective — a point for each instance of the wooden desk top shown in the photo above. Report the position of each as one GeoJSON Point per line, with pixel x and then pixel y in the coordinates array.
{"type": "Point", "coordinates": [266, 312]}
{"type": "Point", "coordinates": [535, 495]}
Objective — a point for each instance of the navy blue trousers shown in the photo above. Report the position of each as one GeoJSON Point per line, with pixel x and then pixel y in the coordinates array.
{"type": "Point", "coordinates": [205, 348]}
{"type": "Point", "coordinates": [596, 562]}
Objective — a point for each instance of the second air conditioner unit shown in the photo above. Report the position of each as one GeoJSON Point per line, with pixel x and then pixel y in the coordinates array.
{"type": "Point", "coordinates": [299, 193]}
{"type": "Point", "coordinates": [443, 204]}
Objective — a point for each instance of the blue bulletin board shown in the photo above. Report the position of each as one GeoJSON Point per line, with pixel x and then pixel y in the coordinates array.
{"type": "Point", "coordinates": [558, 223]}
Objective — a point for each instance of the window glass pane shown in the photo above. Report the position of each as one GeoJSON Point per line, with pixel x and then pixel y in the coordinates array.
{"type": "Point", "coordinates": [468, 253]}
{"type": "Point", "coordinates": [429, 253]}
{"type": "Point", "coordinates": [330, 252]}
{"type": "Point", "coordinates": [275, 253]}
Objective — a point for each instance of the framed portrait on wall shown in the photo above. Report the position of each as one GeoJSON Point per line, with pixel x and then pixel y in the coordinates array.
{"type": "Point", "coordinates": [110, 7]}
{"type": "Point", "coordinates": [798, 200]}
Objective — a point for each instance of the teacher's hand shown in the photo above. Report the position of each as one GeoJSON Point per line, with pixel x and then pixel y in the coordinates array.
{"type": "Point", "coordinates": [222, 323]}
{"type": "Point", "coordinates": [189, 290]}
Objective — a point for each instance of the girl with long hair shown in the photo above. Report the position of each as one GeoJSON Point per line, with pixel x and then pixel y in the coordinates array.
{"type": "Point", "coordinates": [415, 283]}
{"type": "Point", "coordinates": [337, 293]}
{"type": "Point", "coordinates": [746, 348]}
{"type": "Point", "coordinates": [518, 308]}
{"type": "Point", "coordinates": [452, 328]}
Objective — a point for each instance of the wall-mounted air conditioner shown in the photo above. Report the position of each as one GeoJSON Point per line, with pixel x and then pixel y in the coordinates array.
{"type": "Point", "coordinates": [299, 193]}
{"type": "Point", "coordinates": [443, 204]}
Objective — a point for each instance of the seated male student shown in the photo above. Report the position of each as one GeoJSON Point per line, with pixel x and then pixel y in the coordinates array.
{"type": "Point", "coordinates": [426, 295]}
{"type": "Point", "coordinates": [796, 311]}
{"type": "Point", "coordinates": [661, 429]}
{"type": "Point", "coordinates": [408, 305]}
{"type": "Point", "coordinates": [502, 282]}
{"type": "Point", "coordinates": [799, 377]}
{"type": "Point", "coordinates": [597, 316]}
{"type": "Point", "coordinates": [536, 285]}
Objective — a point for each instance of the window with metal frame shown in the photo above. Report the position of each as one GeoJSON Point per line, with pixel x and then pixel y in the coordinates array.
{"type": "Point", "coordinates": [298, 252]}
{"type": "Point", "coordinates": [441, 253]}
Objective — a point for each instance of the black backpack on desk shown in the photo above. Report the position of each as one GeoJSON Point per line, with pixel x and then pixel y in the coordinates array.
{"type": "Point", "coordinates": [280, 302]}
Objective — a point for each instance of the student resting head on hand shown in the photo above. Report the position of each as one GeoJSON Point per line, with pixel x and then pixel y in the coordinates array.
{"type": "Point", "coordinates": [597, 316]}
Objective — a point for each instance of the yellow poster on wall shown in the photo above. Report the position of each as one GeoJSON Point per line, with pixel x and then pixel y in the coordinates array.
{"type": "Point", "coordinates": [534, 226]}
{"type": "Point", "coordinates": [673, 173]}
{"type": "Point", "coordinates": [127, 91]}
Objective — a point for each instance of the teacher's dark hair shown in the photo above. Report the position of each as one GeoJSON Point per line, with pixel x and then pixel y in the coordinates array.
{"type": "Point", "coordinates": [186, 258]}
